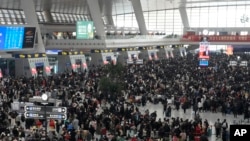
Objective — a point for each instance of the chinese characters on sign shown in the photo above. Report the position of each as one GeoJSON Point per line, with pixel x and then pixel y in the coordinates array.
{"type": "Point", "coordinates": [219, 38]}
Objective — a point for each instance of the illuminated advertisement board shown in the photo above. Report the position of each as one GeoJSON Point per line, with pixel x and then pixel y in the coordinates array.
{"type": "Point", "coordinates": [84, 30]}
{"type": "Point", "coordinates": [29, 37]}
{"type": "Point", "coordinates": [204, 50]}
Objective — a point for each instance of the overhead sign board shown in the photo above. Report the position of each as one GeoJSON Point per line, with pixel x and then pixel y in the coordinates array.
{"type": "Point", "coordinates": [35, 55]}
{"type": "Point", "coordinates": [70, 53]}
{"type": "Point", "coordinates": [38, 115]}
{"type": "Point", "coordinates": [146, 48]}
{"type": "Point", "coordinates": [48, 109]}
{"type": "Point", "coordinates": [101, 50]}
{"type": "Point", "coordinates": [127, 49]}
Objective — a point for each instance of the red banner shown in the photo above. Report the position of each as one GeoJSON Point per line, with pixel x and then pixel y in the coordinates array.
{"type": "Point", "coordinates": [217, 38]}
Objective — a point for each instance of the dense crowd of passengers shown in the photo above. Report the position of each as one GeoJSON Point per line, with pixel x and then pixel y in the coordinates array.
{"type": "Point", "coordinates": [176, 83]}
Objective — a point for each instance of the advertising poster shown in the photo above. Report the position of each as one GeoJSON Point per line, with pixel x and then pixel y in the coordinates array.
{"type": "Point", "coordinates": [84, 30]}
{"type": "Point", "coordinates": [204, 50]}
{"type": "Point", "coordinates": [29, 37]}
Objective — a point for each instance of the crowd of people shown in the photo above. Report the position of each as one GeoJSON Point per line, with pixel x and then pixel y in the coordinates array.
{"type": "Point", "coordinates": [97, 115]}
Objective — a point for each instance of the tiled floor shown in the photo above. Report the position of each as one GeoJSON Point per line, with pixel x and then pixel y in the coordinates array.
{"type": "Point", "coordinates": [211, 117]}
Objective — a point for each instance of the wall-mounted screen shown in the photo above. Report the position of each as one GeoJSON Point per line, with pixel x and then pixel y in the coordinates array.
{"type": "Point", "coordinates": [108, 58]}
{"type": "Point", "coordinates": [152, 54]}
{"type": "Point", "coordinates": [51, 52]}
{"type": "Point", "coordinates": [203, 62]}
{"type": "Point", "coordinates": [133, 56]}
{"type": "Point", "coordinates": [16, 37]}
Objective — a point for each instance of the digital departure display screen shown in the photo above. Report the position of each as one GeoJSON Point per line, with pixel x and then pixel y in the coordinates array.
{"type": "Point", "coordinates": [15, 38]}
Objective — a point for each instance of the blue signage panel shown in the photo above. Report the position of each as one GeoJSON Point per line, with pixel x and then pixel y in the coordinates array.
{"type": "Point", "coordinates": [48, 109]}
{"type": "Point", "coordinates": [39, 64]}
{"type": "Point", "coordinates": [2, 37]}
{"type": "Point", "coordinates": [16, 37]}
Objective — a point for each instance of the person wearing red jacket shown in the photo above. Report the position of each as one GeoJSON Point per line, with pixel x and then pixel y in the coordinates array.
{"type": "Point", "coordinates": [198, 130]}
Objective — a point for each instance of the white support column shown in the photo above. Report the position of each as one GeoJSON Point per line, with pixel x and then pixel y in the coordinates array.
{"type": "Point", "coordinates": [184, 17]}
{"type": "Point", "coordinates": [108, 5]}
{"type": "Point", "coordinates": [28, 7]}
{"type": "Point", "coordinates": [96, 15]}
{"type": "Point", "coordinates": [48, 16]}
{"type": "Point", "coordinates": [139, 16]}
{"type": "Point", "coordinates": [46, 10]}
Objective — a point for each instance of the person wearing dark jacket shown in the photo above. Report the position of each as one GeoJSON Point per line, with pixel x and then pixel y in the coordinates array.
{"type": "Point", "coordinates": [15, 132]}
{"type": "Point", "coordinates": [203, 138]}
{"type": "Point", "coordinates": [224, 135]}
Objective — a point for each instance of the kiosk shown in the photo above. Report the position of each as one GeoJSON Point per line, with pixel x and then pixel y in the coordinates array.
{"type": "Point", "coordinates": [32, 65]}
{"type": "Point", "coordinates": [165, 52]}
{"type": "Point", "coordinates": [102, 57]}
{"type": "Point", "coordinates": [128, 55]}
{"type": "Point", "coordinates": [182, 51]}
{"type": "Point", "coordinates": [148, 53]}
{"type": "Point", "coordinates": [69, 61]}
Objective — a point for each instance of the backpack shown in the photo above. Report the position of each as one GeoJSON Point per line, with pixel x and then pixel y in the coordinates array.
{"type": "Point", "coordinates": [224, 125]}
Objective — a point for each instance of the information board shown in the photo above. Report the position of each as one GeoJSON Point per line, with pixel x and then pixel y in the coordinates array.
{"type": "Point", "coordinates": [16, 37]}
{"type": "Point", "coordinates": [84, 30]}
{"type": "Point", "coordinates": [38, 115]}
{"type": "Point", "coordinates": [48, 109]}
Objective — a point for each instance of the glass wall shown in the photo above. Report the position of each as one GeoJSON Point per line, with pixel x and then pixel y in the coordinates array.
{"type": "Point", "coordinates": [168, 21]}
{"type": "Point", "coordinates": [125, 20]}
{"type": "Point", "coordinates": [219, 16]}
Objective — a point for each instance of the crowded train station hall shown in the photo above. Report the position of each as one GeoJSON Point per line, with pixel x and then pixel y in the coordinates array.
{"type": "Point", "coordinates": [124, 70]}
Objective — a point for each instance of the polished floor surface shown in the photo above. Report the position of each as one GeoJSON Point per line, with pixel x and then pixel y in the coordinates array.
{"type": "Point", "coordinates": [211, 117]}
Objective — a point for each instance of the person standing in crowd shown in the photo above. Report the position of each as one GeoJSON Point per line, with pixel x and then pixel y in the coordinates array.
{"type": "Point", "coordinates": [224, 124]}
{"type": "Point", "coordinates": [224, 135]}
{"type": "Point", "coordinates": [203, 138]}
{"type": "Point", "coordinates": [217, 126]}
{"type": "Point", "coordinates": [168, 113]}
{"type": "Point", "coordinates": [183, 136]}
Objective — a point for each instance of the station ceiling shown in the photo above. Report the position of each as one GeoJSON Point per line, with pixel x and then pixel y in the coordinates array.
{"type": "Point", "coordinates": [118, 6]}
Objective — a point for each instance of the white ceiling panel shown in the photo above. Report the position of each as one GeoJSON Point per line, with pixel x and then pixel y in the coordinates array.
{"type": "Point", "coordinates": [118, 7]}
{"type": "Point", "coordinates": [10, 4]}
{"type": "Point", "coordinates": [62, 6]}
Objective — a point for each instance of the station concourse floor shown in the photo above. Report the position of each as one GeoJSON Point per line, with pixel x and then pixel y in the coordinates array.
{"type": "Point", "coordinates": [211, 117]}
